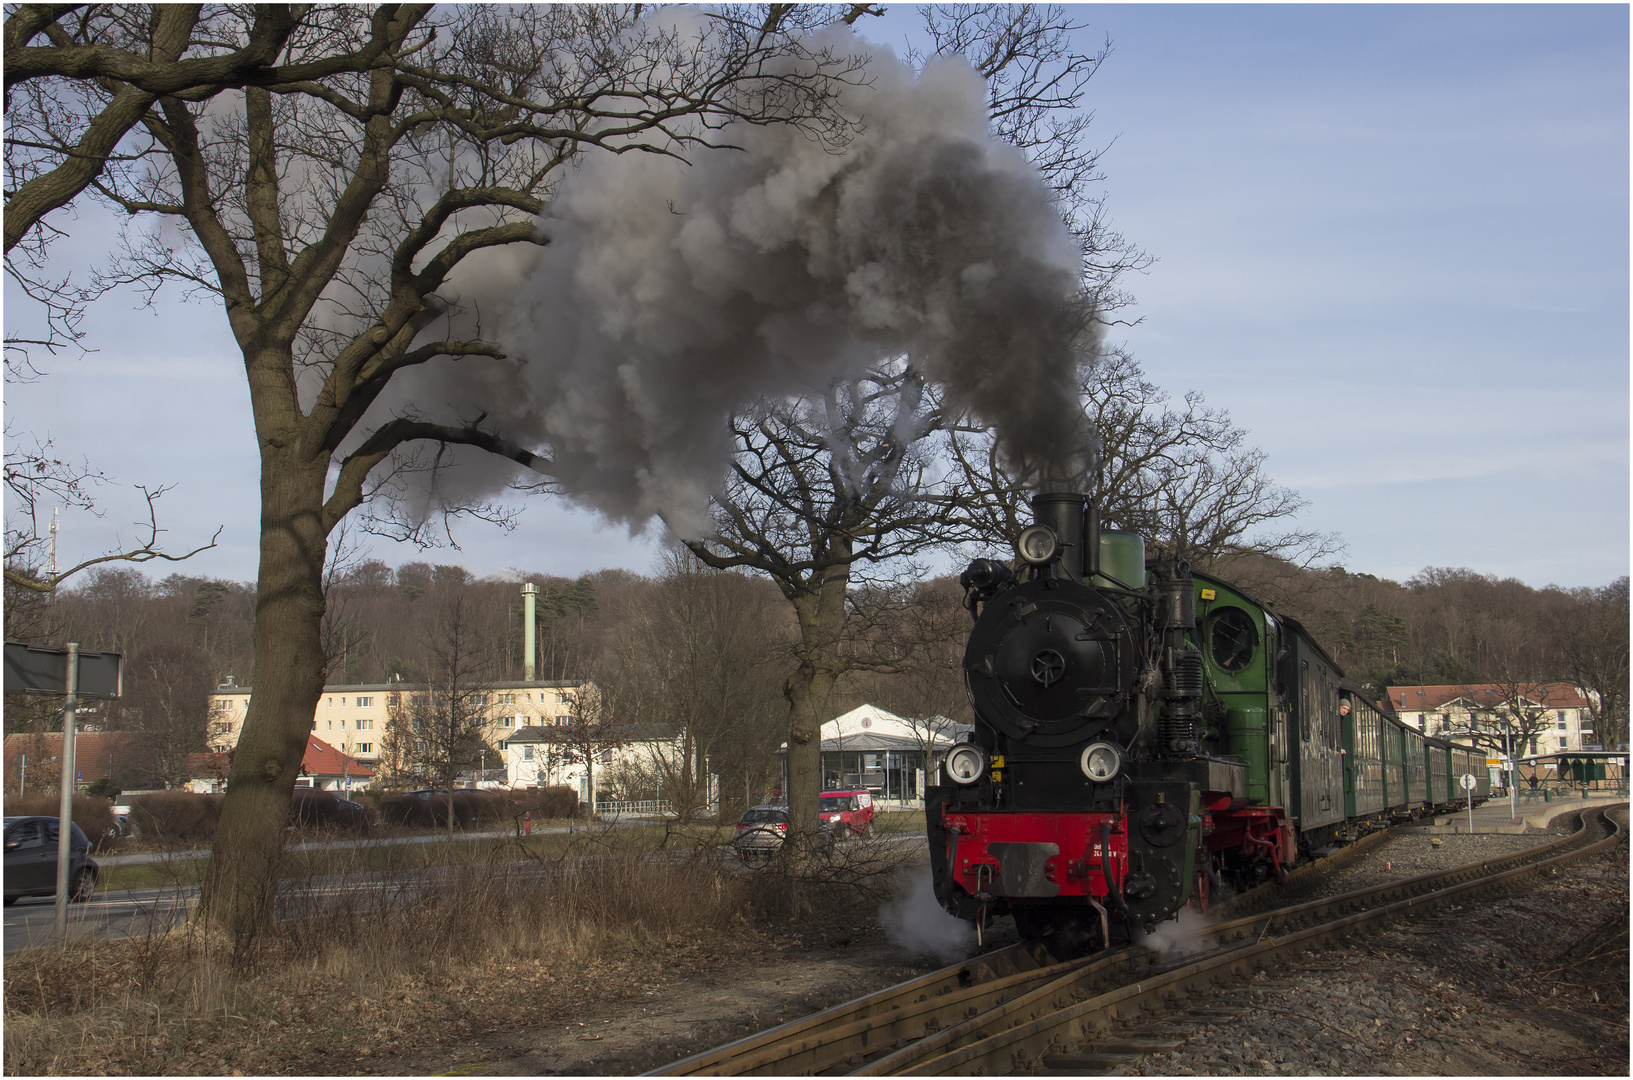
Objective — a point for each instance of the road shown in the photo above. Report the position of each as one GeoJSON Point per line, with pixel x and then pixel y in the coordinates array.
{"type": "Point", "coordinates": [137, 912]}
{"type": "Point", "coordinates": [126, 914]}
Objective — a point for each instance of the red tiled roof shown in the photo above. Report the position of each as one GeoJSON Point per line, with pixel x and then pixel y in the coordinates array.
{"type": "Point", "coordinates": [321, 759]}
{"type": "Point", "coordinates": [94, 752]}
{"type": "Point", "coordinates": [1553, 695]}
{"type": "Point", "coordinates": [324, 760]}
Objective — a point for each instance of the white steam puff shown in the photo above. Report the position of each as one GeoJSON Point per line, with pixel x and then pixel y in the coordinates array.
{"type": "Point", "coordinates": [672, 295]}
{"type": "Point", "coordinates": [915, 921]}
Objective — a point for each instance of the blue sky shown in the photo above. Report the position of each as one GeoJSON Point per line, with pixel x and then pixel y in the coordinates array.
{"type": "Point", "coordinates": [1391, 240]}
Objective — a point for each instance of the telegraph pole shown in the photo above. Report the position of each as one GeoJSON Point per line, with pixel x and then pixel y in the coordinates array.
{"type": "Point", "coordinates": [65, 811]}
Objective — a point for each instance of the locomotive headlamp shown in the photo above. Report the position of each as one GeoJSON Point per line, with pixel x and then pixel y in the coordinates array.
{"type": "Point", "coordinates": [966, 763]}
{"type": "Point", "coordinates": [1038, 545]}
{"type": "Point", "coordinates": [1101, 761]}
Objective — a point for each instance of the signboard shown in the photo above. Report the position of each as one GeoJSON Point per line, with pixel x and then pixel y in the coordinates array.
{"type": "Point", "coordinates": [1468, 781]}
{"type": "Point", "coordinates": [43, 669]}
{"type": "Point", "coordinates": [1495, 762]}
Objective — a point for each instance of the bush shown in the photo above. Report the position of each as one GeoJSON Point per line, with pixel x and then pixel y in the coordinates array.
{"type": "Point", "coordinates": [550, 802]}
{"type": "Point", "coordinates": [315, 809]}
{"type": "Point", "coordinates": [176, 815]}
{"type": "Point", "coordinates": [93, 815]}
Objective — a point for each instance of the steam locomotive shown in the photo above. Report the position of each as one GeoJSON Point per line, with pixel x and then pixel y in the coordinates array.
{"type": "Point", "coordinates": [1144, 734]}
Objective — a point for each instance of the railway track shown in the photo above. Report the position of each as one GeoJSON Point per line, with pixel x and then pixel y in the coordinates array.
{"type": "Point", "coordinates": [1018, 1010]}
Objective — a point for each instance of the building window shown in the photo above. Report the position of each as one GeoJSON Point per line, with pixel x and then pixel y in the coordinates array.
{"type": "Point", "coordinates": [364, 702]}
{"type": "Point", "coordinates": [527, 753]}
{"type": "Point", "coordinates": [565, 698]}
{"type": "Point", "coordinates": [530, 698]}
{"type": "Point", "coordinates": [342, 703]}
{"type": "Point", "coordinates": [331, 725]}
{"type": "Point", "coordinates": [365, 748]}
{"type": "Point", "coordinates": [1564, 743]}
{"type": "Point", "coordinates": [361, 724]}
{"type": "Point", "coordinates": [605, 757]}
{"type": "Point", "coordinates": [331, 704]}
{"type": "Point", "coordinates": [507, 699]}
{"type": "Point", "coordinates": [1561, 721]}
{"type": "Point", "coordinates": [1533, 746]}
{"type": "Point", "coordinates": [342, 724]}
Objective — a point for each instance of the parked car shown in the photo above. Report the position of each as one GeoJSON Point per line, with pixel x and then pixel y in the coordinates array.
{"type": "Point", "coordinates": [31, 859]}
{"type": "Point", "coordinates": [762, 829]}
{"type": "Point", "coordinates": [848, 813]}
{"type": "Point", "coordinates": [352, 815]}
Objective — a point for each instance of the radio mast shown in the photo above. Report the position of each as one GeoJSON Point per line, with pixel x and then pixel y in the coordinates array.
{"type": "Point", "coordinates": [51, 560]}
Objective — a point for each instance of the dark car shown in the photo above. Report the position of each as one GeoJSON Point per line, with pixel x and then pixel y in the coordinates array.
{"type": "Point", "coordinates": [31, 859]}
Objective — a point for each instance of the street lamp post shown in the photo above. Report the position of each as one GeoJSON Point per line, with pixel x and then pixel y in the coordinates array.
{"type": "Point", "coordinates": [1508, 767]}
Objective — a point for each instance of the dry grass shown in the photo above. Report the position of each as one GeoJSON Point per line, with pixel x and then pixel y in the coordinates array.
{"type": "Point", "coordinates": [406, 960]}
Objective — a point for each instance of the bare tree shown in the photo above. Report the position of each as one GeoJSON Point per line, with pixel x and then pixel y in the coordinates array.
{"type": "Point", "coordinates": [590, 736]}
{"type": "Point", "coordinates": [1515, 714]}
{"type": "Point", "coordinates": [37, 478]}
{"type": "Point", "coordinates": [698, 651]}
{"type": "Point", "coordinates": [166, 706]}
{"type": "Point", "coordinates": [824, 494]}
{"type": "Point", "coordinates": [325, 213]}
{"type": "Point", "coordinates": [438, 731]}
{"type": "Point", "coordinates": [1591, 636]}
{"type": "Point", "coordinates": [1179, 475]}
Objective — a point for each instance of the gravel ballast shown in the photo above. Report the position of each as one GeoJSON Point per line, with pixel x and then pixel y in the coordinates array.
{"type": "Point", "coordinates": [1533, 982]}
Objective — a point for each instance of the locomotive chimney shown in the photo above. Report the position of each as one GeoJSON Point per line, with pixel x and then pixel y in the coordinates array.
{"type": "Point", "coordinates": [1063, 511]}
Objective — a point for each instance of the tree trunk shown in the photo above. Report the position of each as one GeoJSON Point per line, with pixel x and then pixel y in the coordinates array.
{"type": "Point", "coordinates": [821, 625]}
{"type": "Point", "coordinates": [241, 881]}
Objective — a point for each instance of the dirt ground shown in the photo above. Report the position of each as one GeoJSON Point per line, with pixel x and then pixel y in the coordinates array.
{"type": "Point", "coordinates": [1534, 983]}
{"type": "Point", "coordinates": [681, 1012]}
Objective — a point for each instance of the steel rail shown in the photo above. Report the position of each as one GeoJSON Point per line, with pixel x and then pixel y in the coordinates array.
{"type": "Point", "coordinates": [808, 1034]}
{"type": "Point", "coordinates": [1037, 1026]}
{"type": "Point", "coordinates": [1296, 915]}
{"type": "Point", "coordinates": [926, 1016]}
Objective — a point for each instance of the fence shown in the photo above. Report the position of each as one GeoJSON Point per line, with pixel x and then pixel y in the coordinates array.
{"type": "Point", "coordinates": [640, 808]}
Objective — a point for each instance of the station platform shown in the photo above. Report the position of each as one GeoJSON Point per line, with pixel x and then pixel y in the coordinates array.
{"type": "Point", "coordinates": [1496, 815]}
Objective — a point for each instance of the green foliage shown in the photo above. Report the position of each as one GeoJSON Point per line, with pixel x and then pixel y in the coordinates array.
{"type": "Point", "coordinates": [104, 788]}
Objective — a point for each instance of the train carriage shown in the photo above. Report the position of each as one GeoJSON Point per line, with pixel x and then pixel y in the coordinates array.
{"type": "Point", "coordinates": [1417, 775]}
{"type": "Point", "coordinates": [1318, 774]}
{"type": "Point", "coordinates": [1438, 760]}
{"type": "Point", "coordinates": [1363, 762]}
{"type": "Point", "coordinates": [1394, 745]}
{"type": "Point", "coordinates": [1463, 764]}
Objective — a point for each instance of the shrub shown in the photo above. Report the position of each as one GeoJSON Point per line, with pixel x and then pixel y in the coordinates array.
{"type": "Point", "coordinates": [550, 802]}
{"type": "Point", "coordinates": [93, 815]}
{"type": "Point", "coordinates": [176, 815]}
{"type": "Point", "coordinates": [315, 809]}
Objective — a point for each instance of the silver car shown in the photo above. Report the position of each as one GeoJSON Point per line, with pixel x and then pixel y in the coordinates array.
{"type": "Point", "coordinates": [762, 830]}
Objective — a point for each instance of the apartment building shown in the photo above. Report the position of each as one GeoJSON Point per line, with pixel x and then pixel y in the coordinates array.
{"type": "Point", "coordinates": [354, 717]}
{"type": "Point", "coordinates": [1557, 712]}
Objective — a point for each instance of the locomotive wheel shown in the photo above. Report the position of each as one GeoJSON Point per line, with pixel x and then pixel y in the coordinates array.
{"type": "Point", "coordinates": [1066, 933]}
{"type": "Point", "coordinates": [1202, 892]}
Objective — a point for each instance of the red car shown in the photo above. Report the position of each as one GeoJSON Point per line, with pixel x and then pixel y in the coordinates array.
{"type": "Point", "coordinates": [847, 813]}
